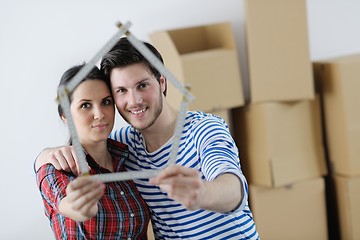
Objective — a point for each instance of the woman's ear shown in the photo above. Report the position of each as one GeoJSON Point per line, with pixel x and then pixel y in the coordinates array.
{"type": "Point", "coordinates": [63, 118]}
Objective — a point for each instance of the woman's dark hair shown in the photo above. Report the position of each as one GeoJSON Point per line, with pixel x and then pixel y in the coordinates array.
{"type": "Point", "coordinates": [124, 54]}
{"type": "Point", "coordinates": [94, 74]}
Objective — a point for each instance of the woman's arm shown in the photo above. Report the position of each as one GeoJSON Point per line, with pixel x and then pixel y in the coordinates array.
{"type": "Point", "coordinates": [81, 200]}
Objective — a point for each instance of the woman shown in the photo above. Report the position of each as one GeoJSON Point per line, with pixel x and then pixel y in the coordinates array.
{"type": "Point", "coordinates": [83, 208]}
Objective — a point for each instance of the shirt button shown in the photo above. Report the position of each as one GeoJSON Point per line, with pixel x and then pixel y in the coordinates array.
{"type": "Point", "coordinates": [131, 215]}
{"type": "Point", "coordinates": [122, 193]}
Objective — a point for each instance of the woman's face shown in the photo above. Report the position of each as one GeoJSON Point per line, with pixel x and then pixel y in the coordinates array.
{"type": "Point", "coordinates": [93, 111]}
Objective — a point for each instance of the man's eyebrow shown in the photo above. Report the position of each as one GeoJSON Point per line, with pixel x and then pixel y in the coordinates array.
{"type": "Point", "coordinates": [136, 84]}
{"type": "Point", "coordinates": [142, 81]}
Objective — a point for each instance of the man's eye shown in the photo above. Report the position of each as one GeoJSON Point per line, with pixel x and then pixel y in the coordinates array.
{"type": "Point", "coordinates": [142, 85]}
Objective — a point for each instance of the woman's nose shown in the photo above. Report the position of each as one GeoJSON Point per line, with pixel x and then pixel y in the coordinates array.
{"type": "Point", "coordinates": [98, 113]}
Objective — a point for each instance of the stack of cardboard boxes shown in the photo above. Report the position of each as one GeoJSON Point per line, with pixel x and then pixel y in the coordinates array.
{"type": "Point", "coordinates": [203, 58]}
{"type": "Point", "coordinates": [339, 84]}
{"type": "Point", "coordinates": [279, 132]}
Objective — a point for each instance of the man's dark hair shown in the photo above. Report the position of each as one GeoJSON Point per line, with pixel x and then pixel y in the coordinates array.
{"type": "Point", "coordinates": [125, 54]}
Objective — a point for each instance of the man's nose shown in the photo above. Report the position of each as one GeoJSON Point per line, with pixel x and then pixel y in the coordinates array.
{"type": "Point", "coordinates": [136, 98]}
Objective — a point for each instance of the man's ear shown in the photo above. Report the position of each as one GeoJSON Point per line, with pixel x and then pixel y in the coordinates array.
{"type": "Point", "coordinates": [163, 84]}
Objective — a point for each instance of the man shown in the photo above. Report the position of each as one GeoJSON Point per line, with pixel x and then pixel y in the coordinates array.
{"type": "Point", "coordinates": [203, 196]}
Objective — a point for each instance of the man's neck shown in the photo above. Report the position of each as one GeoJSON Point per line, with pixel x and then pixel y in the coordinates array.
{"type": "Point", "coordinates": [162, 129]}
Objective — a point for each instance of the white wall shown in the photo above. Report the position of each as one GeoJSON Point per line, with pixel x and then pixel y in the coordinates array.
{"type": "Point", "coordinates": [39, 39]}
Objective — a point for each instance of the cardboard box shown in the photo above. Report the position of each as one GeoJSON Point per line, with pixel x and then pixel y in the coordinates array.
{"type": "Point", "coordinates": [293, 212]}
{"type": "Point", "coordinates": [204, 58]}
{"type": "Point", "coordinates": [339, 81]}
{"type": "Point", "coordinates": [348, 199]}
{"type": "Point", "coordinates": [278, 50]}
{"type": "Point", "coordinates": [280, 142]}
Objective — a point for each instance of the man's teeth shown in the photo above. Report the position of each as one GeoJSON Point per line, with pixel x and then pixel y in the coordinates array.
{"type": "Point", "coordinates": [138, 112]}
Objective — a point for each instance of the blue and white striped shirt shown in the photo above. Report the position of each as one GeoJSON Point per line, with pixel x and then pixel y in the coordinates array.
{"type": "Point", "coordinates": [206, 145]}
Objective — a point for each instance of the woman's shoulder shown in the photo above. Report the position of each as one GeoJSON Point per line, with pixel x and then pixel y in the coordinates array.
{"type": "Point", "coordinates": [46, 169]}
{"type": "Point", "coordinates": [116, 144]}
{"type": "Point", "coordinates": [49, 173]}
{"type": "Point", "coordinates": [118, 148]}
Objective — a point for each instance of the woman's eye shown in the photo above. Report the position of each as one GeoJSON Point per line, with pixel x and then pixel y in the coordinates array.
{"type": "Point", "coordinates": [121, 91]}
{"type": "Point", "coordinates": [107, 102]}
{"type": "Point", "coordinates": [85, 105]}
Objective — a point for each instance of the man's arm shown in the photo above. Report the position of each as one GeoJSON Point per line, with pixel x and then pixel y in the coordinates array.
{"type": "Point", "coordinates": [184, 185]}
{"type": "Point", "coordinates": [62, 158]}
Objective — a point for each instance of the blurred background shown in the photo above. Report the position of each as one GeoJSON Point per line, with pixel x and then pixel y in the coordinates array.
{"type": "Point", "coordinates": [40, 39]}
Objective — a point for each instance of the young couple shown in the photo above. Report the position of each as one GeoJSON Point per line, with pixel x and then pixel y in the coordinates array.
{"type": "Point", "coordinates": [203, 196]}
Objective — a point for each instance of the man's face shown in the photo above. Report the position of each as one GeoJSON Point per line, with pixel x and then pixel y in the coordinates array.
{"type": "Point", "coordinates": [137, 95]}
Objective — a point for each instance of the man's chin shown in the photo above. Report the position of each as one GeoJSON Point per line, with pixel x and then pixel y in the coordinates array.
{"type": "Point", "coordinates": [139, 124]}
{"type": "Point", "coordinates": [135, 124]}
{"type": "Point", "coordinates": [139, 127]}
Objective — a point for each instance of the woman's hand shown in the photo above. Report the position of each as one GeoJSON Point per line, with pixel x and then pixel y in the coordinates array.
{"type": "Point", "coordinates": [82, 196]}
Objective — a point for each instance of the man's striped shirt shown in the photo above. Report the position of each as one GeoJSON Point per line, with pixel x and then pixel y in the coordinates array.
{"type": "Point", "coordinates": [205, 145]}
